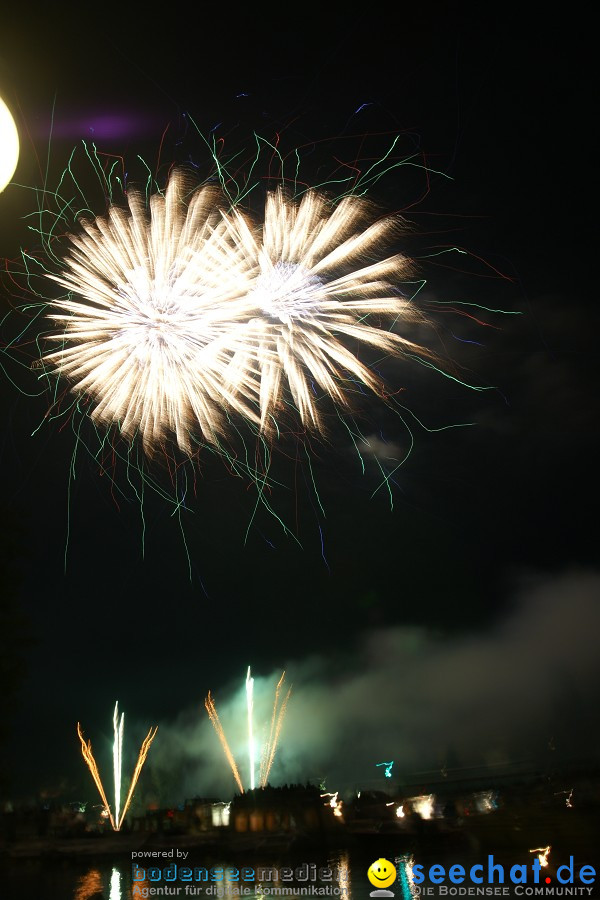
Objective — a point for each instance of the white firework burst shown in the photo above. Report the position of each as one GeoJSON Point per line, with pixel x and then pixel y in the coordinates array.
{"type": "Point", "coordinates": [314, 286]}
{"type": "Point", "coordinates": [161, 308]}
{"type": "Point", "coordinates": [180, 314]}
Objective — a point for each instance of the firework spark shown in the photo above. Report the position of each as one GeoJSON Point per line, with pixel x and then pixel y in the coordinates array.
{"type": "Point", "coordinates": [268, 754]}
{"type": "Point", "coordinates": [187, 313]}
{"type": "Point", "coordinates": [543, 854]}
{"type": "Point", "coordinates": [568, 799]}
{"type": "Point", "coordinates": [334, 803]}
{"type": "Point", "coordinates": [86, 750]}
{"type": "Point", "coordinates": [276, 723]}
{"type": "Point", "coordinates": [214, 718]}
{"type": "Point", "coordinates": [118, 818]}
{"type": "Point", "coordinates": [138, 768]}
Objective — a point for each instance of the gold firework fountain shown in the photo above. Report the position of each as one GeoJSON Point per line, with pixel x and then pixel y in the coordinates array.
{"type": "Point", "coordinates": [116, 817]}
{"type": "Point", "coordinates": [268, 752]}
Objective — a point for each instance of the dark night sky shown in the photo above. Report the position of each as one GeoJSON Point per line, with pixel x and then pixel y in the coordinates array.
{"type": "Point", "coordinates": [485, 571]}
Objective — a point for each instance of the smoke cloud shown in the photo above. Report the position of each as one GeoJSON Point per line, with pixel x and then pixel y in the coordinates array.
{"type": "Point", "coordinates": [523, 689]}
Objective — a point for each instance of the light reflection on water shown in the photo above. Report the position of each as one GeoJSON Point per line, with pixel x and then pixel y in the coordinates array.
{"type": "Point", "coordinates": [88, 885]}
{"type": "Point", "coordinates": [106, 880]}
{"type": "Point", "coordinates": [74, 880]}
{"type": "Point", "coordinates": [115, 885]}
{"type": "Point", "coordinates": [92, 885]}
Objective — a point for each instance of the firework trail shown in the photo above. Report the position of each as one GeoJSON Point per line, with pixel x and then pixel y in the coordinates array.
{"type": "Point", "coordinates": [117, 819]}
{"type": "Point", "coordinates": [250, 708]}
{"type": "Point", "coordinates": [276, 723]}
{"type": "Point", "coordinates": [138, 768]}
{"type": "Point", "coordinates": [269, 743]}
{"type": "Point", "coordinates": [214, 718]}
{"type": "Point", "coordinates": [118, 726]}
{"type": "Point", "coordinates": [86, 750]}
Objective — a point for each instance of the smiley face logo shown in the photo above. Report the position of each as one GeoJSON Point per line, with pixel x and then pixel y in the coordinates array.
{"type": "Point", "coordinates": [381, 873]}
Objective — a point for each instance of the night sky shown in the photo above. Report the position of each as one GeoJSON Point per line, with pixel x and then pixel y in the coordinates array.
{"type": "Point", "coordinates": [451, 622]}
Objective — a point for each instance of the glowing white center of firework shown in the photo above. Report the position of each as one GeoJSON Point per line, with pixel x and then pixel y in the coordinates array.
{"type": "Point", "coordinates": [159, 316]}
{"type": "Point", "coordinates": [287, 291]}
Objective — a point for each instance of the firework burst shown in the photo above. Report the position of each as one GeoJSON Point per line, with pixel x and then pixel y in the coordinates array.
{"type": "Point", "coordinates": [186, 313]}
{"type": "Point", "coordinates": [314, 286]}
{"type": "Point", "coordinates": [183, 329]}
{"type": "Point", "coordinates": [161, 308]}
